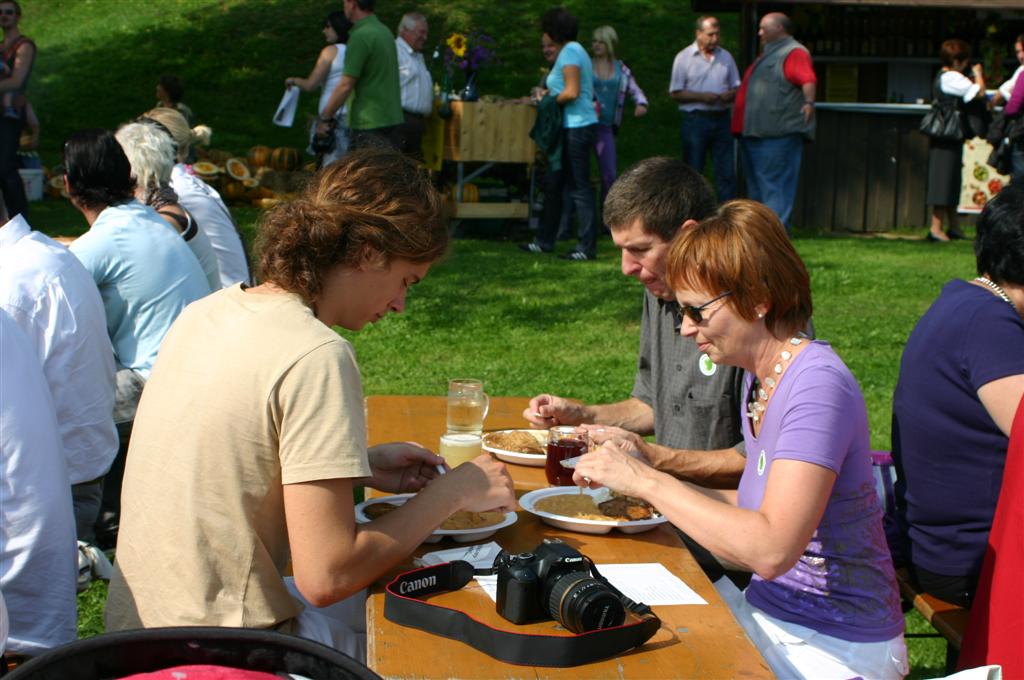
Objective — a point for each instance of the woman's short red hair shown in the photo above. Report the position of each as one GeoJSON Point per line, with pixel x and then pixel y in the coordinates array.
{"type": "Point", "coordinates": [743, 248]}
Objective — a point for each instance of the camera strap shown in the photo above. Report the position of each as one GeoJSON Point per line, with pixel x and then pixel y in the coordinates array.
{"type": "Point", "coordinates": [403, 606]}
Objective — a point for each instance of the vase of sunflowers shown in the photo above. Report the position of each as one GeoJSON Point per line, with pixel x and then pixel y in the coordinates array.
{"type": "Point", "coordinates": [468, 53]}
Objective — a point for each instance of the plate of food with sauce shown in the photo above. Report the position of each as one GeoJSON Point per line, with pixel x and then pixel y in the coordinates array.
{"type": "Point", "coordinates": [462, 527]}
{"type": "Point", "coordinates": [594, 511]}
{"type": "Point", "coordinates": [520, 447]}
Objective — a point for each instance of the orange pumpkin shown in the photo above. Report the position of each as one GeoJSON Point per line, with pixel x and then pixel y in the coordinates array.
{"type": "Point", "coordinates": [234, 191]}
{"type": "Point", "coordinates": [237, 168]}
{"type": "Point", "coordinates": [266, 203]}
{"type": "Point", "coordinates": [470, 193]}
{"type": "Point", "coordinates": [259, 156]}
{"type": "Point", "coordinates": [216, 156]}
{"type": "Point", "coordinates": [205, 169]}
{"type": "Point", "coordinates": [252, 187]}
{"type": "Point", "coordinates": [285, 158]}
{"type": "Point", "coordinates": [55, 186]}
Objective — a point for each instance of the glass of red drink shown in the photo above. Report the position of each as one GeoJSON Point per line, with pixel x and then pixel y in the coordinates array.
{"type": "Point", "coordinates": [563, 442]}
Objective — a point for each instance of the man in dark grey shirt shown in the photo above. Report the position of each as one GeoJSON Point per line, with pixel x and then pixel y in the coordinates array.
{"type": "Point", "coordinates": [691, 405]}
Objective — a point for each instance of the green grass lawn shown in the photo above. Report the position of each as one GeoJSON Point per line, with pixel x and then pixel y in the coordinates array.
{"type": "Point", "coordinates": [99, 60]}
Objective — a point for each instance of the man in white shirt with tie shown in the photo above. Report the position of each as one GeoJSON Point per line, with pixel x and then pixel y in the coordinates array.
{"type": "Point", "coordinates": [416, 83]}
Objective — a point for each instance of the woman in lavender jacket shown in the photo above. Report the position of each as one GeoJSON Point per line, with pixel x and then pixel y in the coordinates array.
{"type": "Point", "coordinates": [612, 81]}
{"type": "Point", "coordinates": [823, 601]}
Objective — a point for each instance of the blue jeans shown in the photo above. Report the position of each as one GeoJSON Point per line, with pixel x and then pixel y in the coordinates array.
{"type": "Point", "coordinates": [771, 166]}
{"type": "Point", "coordinates": [577, 145]}
{"type": "Point", "coordinates": [703, 131]}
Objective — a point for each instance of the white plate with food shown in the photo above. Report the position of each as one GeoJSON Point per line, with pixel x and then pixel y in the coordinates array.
{"type": "Point", "coordinates": [595, 511]}
{"type": "Point", "coordinates": [462, 527]}
{"type": "Point", "coordinates": [521, 447]}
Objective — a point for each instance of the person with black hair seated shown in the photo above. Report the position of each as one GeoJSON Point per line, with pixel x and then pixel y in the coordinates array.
{"type": "Point", "coordinates": [145, 273]}
{"type": "Point", "coordinates": [961, 378]}
{"type": "Point", "coordinates": [169, 92]}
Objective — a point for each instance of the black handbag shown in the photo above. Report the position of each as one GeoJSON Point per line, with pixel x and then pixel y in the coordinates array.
{"type": "Point", "coordinates": [1003, 127]}
{"type": "Point", "coordinates": [324, 143]}
{"type": "Point", "coordinates": [1003, 134]}
{"type": "Point", "coordinates": [1001, 157]}
{"type": "Point", "coordinates": [944, 122]}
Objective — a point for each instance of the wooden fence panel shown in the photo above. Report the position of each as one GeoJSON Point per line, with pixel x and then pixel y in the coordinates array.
{"type": "Point", "coordinates": [882, 164]}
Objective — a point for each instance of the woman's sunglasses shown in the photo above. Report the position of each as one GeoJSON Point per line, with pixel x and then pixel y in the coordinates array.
{"type": "Point", "coordinates": [694, 313]}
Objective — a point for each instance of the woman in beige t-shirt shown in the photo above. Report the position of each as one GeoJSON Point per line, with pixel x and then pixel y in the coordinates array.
{"type": "Point", "coordinates": [251, 433]}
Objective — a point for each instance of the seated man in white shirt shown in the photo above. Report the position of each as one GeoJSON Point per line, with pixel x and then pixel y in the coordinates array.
{"type": "Point", "coordinates": [38, 554]}
{"type": "Point", "coordinates": [145, 273]}
{"type": "Point", "coordinates": [55, 302]}
{"type": "Point", "coordinates": [415, 81]}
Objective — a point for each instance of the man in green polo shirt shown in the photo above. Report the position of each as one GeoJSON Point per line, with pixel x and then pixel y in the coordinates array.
{"type": "Point", "coordinates": [371, 77]}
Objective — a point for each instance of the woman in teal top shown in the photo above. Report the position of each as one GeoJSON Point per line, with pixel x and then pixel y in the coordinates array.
{"type": "Point", "coordinates": [571, 86]}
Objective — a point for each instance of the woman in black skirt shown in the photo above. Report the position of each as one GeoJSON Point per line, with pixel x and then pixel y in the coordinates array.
{"type": "Point", "coordinates": [944, 158]}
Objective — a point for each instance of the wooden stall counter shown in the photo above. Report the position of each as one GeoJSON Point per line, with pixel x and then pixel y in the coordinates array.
{"type": "Point", "coordinates": [497, 132]}
{"type": "Point", "coordinates": [695, 641]}
{"type": "Point", "coordinates": [487, 133]}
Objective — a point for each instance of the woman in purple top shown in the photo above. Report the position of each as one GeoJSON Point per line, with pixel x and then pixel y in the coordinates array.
{"type": "Point", "coordinates": [823, 600]}
{"type": "Point", "coordinates": [1015, 109]}
{"type": "Point", "coordinates": [961, 378]}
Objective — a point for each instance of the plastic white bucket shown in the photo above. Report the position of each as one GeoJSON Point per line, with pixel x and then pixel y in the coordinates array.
{"type": "Point", "coordinates": [33, 179]}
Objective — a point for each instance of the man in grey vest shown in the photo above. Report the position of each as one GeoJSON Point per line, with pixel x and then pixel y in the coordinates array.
{"type": "Point", "coordinates": [774, 113]}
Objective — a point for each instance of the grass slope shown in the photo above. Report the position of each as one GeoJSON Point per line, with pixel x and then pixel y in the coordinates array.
{"type": "Point", "coordinates": [99, 59]}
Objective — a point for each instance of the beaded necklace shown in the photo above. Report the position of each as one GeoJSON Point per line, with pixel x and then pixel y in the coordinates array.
{"type": "Point", "coordinates": [997, 289]}
{"type": "Point", "coordinates": [761, 391]}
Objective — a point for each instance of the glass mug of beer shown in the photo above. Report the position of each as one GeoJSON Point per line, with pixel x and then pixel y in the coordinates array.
{"type": "Point", "coordinates": [456, 449]}
{"type": "Point", "coordinates": [563, 442]}
{"type": "Point", "coordinates": [467, 405]}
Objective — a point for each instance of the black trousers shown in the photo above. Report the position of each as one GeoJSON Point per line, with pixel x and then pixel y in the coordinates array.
{"type": "Point", "coordinates": [10, 180]}
{"type": "Point", "coordinates": [410, 134]}
{"type": "Point", "coordinates": [376, 138]}
{"type": "Point", "coordinates": [958, 590]}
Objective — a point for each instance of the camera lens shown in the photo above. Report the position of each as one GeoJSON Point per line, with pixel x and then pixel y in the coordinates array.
{"type": "Point", "coordinates": [582, 603]}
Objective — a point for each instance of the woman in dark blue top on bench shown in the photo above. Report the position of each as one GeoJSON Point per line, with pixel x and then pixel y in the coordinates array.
{"type": "Point", "coordinates": [961, 378]}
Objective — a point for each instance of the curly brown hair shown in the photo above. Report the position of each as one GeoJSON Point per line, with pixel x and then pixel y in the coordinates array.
{"type": "Point", "coordinates": [372, 206]}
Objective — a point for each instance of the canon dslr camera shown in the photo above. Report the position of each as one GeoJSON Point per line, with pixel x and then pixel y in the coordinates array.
{"type": "Point", "coordinates": [556, 582]}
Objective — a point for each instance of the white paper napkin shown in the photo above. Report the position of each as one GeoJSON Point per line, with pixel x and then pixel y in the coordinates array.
{"type": "Point", "coordinates": [480, 556]}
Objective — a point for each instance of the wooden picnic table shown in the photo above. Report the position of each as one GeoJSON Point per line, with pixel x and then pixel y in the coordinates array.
{"type": "Point", "coordinates": [695, 641]}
